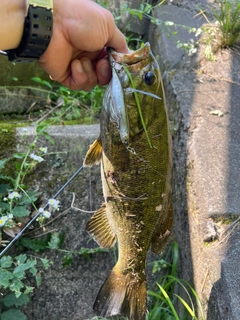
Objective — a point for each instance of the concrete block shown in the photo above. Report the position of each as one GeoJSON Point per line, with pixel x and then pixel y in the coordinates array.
{"type": "Point", "coordinates": [203, 101]}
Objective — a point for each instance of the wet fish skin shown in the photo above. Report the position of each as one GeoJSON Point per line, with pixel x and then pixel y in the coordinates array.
{"type": "Point", "coordinates": [136, 182]}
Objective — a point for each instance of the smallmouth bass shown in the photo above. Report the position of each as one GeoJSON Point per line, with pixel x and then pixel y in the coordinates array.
{"type": "Point", "coordinates": [134, 149]}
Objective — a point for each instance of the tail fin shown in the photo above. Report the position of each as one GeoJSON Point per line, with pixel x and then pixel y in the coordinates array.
{"type": "Point", "coordinates": [123, 294]}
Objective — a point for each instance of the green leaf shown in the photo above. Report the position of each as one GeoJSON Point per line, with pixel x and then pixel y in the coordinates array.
{"type": "Point", "coordinates": [13, 314]}
{"type": "Point", "coordinates": [48, 137]}
{"type": "Point", "coordinates": [28, 289]}
{"type": "Point", "coordinates": [11, 300]}
{"type": "Point", "coordinates": [5, 278]}
{"type": "Point", "coordinates": [19, 155]}
{"type": "Point", "coordinates": [3, 177]}
{"type": "Point", "coordinates": [38, 280]}
{"type": "Point", "coordinates": [31, 197]}
{"type": "Point", "coordinates": [191, 312]}
{"type": "Point", "coordinates": [25, 266]}
{"type": "Point", "coordinates": [67, 259]}
{"type": "Point", "coordinates": [4, 188]}
{"type": "Point", "coordinates": [46, 263]}
{"type": "Point", "coordinates": [4, 205]}
{"type": "Point", "coordinates": [20, 211]}
{"type": "Point", "coordinates": [55, 241]}
{"type": "Point", "coordinates": [21, 258]}
{"type": "Point", "coordinates": [6, 262]}
{"type": "Point", "coordinates": [47, 84]}
{"type": "Point", "coordinates": [16, 286]}
{"type": "Point", "coordinates": [36, 245]}
{"type": "Point", "coordinates": [18, 166]}
{"type": "Point", "coordinates": [169, 302]}
{"type": "Point", "coordinates": [33, 271]}
{"type": "Point", "coordinates": [36, 79]}
{"type": "Point", "coordinates": [2, 163]}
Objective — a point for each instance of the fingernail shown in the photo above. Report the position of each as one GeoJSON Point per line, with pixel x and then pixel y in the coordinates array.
{"type": "Point", "coordinates": [105, 70]}
{"type": "Point", "coordinates": [87, 65]}
{"type": "Point", "coordinates": [78, 67]}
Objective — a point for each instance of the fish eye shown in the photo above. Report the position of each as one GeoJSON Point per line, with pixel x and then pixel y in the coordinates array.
{"type": "Point", "coordinates": [149, 78]}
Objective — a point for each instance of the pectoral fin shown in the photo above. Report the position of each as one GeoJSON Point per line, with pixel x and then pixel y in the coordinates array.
{"type": "Point", "coordinates": [94, 154]}
{"type": "Point", "coordinates": [98, 226]}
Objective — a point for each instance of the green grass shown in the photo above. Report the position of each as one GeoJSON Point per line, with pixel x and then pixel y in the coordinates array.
{"type": "Point", "coordinates": [228, 18]}
{"type": "Point", "coordinates": [170, 290]}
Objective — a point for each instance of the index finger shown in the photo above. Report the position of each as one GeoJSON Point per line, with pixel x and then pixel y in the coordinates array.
{"type": "Point", "coordinates": [116, 39]}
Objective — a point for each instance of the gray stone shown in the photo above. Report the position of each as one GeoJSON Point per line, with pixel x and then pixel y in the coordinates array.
{"type": "Point", "coordinates": [164, 42]}
{"type": "Point", "coordinates": [19, 101]}
{"type": "Point", "coordinates": [125, 20]}
{"type": "Point", "coordinates": [209, 231]}
{"type": "Point", "coordinates": [13, 97]}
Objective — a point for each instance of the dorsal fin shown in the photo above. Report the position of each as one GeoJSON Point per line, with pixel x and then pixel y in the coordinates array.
{"type": "Point", "coordinates": [94, 154]}
{"type": "Point", "coordinates": [98, 226]}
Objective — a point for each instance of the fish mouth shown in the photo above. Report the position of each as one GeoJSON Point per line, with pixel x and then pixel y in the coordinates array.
{"type": "Point", "coordinates": [114, 101]}
{"type": "Point", "coordinates": [132, 57]}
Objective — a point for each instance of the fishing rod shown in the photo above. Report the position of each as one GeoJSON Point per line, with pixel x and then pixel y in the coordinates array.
{"type": "Point", "coordinates": [19, 235]}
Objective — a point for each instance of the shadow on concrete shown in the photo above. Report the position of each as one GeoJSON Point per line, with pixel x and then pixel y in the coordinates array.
{"type": "Point", "coordinates": [206, 161]}
{"type": "Point", "coordinates": [224, 302]}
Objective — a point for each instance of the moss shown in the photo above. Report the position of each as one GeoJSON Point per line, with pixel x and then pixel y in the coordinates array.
{"type": "Point", "coordinates": [8, 146]}
{"type": "Point", "coordinates": [227, 219]}
{"type": "Point", "coordinates": [7, 141]}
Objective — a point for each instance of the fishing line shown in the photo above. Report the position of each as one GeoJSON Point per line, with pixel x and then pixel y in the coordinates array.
{"type": "Point", "coordinates": [19, 235]}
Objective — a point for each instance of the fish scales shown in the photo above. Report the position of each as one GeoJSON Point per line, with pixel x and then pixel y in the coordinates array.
{"type": "Point", "coordinates": [136, 177]}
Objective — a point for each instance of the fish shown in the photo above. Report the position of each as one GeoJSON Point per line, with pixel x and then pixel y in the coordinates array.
{"type": "Point", "coordinates": [135, 152]}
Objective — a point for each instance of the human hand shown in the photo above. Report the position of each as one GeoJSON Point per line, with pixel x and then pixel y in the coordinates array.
{"type": "Point", "coordinates": [76, 56]}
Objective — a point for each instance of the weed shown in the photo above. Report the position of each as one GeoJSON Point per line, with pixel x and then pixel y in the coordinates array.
{"type": "Point", "coordinates": [165, 298]}
{"type": "Point", "coordinates": [229, 21]}
{"type": "Point", "coordinates": [70, 105]}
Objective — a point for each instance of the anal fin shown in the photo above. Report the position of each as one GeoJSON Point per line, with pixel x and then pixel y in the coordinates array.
{"type": "Point", "coordinates": [94, 154]}
{"type": "Point", "coordinates": [98, 226]}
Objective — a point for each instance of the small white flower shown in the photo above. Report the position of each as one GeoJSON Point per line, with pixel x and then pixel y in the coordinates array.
{"type": "Point", "coordinates": [10, 216]}
{"type": "Point", "coordinates": [14, 195]}
{"type": "Point", "coordinates": [169, 23]}
{"type": "Point", "coordinates": [5, 199]}
{"type": "Point", "coordinates": [44, 150]}
{"type": "Point", "coordinates": [46, 214]}
{"type": "Point", "coordinates": [41, 210]}
{"type": "Point", "coordinates": [36, 158]}
{"type": "Point", "coordinates": [3, 220]}
{"type": "Point", "coordinates": [199, 31]}
{"type": "Point", "coordinates": [192, 51]}
{"type": "Point", "coordinates": [192, 30]}
{"type": "Point", "coordinates": [54, 203]}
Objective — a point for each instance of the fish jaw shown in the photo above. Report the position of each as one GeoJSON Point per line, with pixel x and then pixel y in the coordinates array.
{"type": "Point", "coordinates": [132, 70]}
{"type": "Point", "coordinates": [115, 106]}
{"type": "Point", "coordinates": [114, 101]}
